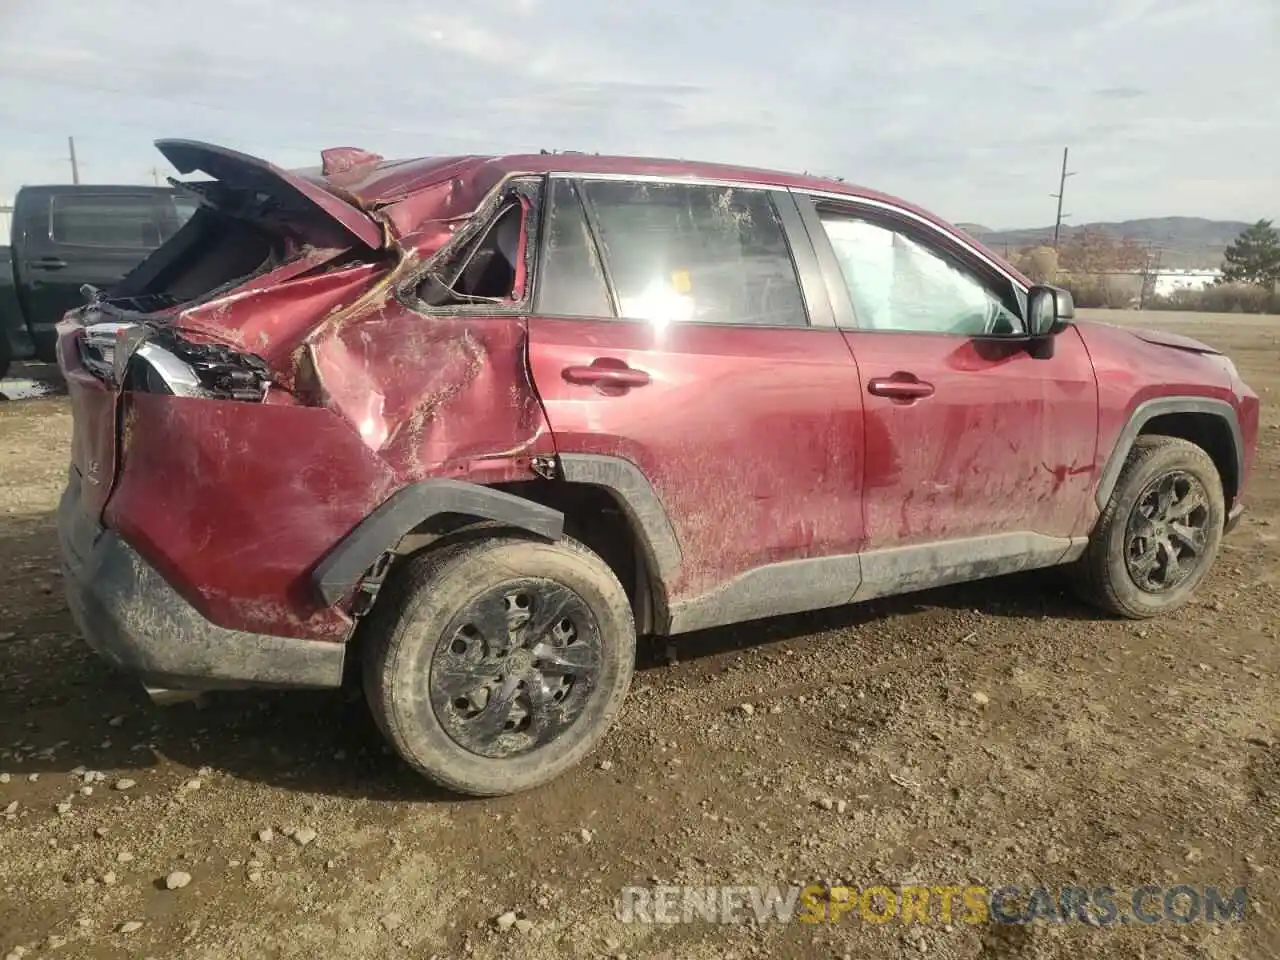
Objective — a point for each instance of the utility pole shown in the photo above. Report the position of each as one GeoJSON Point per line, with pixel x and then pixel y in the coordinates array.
{"type": "Point", "coordinates": [1151, 278]}
{"type": "Point", "coordinates": [1062, 185]}
{"type": "Point", "coordinates": [155, 175]}
{"type": "Point", "coordinates": [75, 167]}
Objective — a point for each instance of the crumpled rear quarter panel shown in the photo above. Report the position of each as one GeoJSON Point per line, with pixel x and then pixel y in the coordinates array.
{"type": "Point", "coordinates": [435, 396]}
{"type": "Point", "coordinates": [234, 503]}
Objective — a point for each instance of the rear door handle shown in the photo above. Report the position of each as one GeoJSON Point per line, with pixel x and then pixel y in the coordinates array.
{"type": "Point", "coordinates": [606, 371]}
{"type": "Point", "coordinates": [901, 387]}
{"type": "Point", "coordinates": [48, 263]}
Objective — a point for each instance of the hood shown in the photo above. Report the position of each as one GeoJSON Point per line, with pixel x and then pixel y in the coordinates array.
{"type": "Point", "coordinates": [1177, 341]}
{"type": "Point", "coordinates": [292, 189]}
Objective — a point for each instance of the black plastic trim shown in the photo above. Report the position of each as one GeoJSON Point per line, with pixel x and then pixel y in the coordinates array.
{"type": "Point", "coordinates": [338, 574]}
{"type": "Point", "coordinates": [792, 586]}
{"type": "Point", "coordinates": [833, 278]}
{"type": "Point", "coordinates": [808, 268]}
{"type": "Point", "coordinates": [797, 586]}
{"type": "Point", "coordinates": [1159, 407]}
{"type": "Point", "coordinates": [592, 218]}
{"type": "Point", "coordinates": [638, 500]}
{"type": "Point", "coordinates": [1233, 518]}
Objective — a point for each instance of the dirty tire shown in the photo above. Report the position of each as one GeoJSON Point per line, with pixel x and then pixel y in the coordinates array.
{"type": "Point", "coordinates": [6, 356]}
{"type": "Point", "coordinates": [418, 613]}
{"type": "Point", "coordinates": [1103, 573]}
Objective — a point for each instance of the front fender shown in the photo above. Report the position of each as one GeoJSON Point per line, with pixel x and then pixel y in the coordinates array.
{"type": "Point", "coordinates": [1158, 407]}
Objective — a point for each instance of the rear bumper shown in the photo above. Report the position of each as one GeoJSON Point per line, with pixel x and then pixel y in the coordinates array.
{"type": "Point", "coordinates": [1233, 518]}
{"type": "Point", "coordinates": [134, 619]}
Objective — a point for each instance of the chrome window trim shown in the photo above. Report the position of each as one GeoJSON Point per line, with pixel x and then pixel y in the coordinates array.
{"type": "Point", "coordinates": [809, 192]}
{"type": "Point", "coordinates": [916, 218]}
{"type": "Point", "coordinates": [692, 179]}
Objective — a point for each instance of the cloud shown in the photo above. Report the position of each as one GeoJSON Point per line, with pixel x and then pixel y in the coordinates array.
{"type": "Point", "coordinates": [1119, 93]}
{"type": "Point", "coordinates": [960, 105]}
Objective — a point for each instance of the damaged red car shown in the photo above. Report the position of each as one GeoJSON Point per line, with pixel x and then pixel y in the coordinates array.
{"type": "Point", "coordinates": [472, 424]}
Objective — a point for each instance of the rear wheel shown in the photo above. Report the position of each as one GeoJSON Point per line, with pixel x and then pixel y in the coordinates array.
{"type": "Point", "coordinates": [1159, 534]}
{"type": "Point", "coordinates": [496, 664]}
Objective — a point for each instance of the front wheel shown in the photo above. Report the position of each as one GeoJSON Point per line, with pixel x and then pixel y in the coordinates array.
{"type": "Point", "coordinates": [1159, 534]}
{"type": "Point", "coordinates": [496, 664]}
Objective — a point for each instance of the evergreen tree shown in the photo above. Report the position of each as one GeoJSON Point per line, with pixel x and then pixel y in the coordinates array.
{"type": "Point", "coordinates": [1254, 258]}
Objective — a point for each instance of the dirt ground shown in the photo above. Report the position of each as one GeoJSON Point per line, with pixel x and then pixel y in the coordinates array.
{"type": "Point", "coordinates": [995, 733]}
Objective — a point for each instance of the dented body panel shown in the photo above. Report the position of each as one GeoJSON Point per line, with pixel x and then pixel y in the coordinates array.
{"type": "Point", "coordinates": [231, 166]}
{"type": "Point", "coordinates": [445, 396]}
{"type": "Point", "coordinates": [1007, 442]}
{"type": "Point", "coordinates": [763, 462]}
{"type": "Point", "coordinates": [234, 503]}
{"type": "Point", "coordinates": [250, 483]}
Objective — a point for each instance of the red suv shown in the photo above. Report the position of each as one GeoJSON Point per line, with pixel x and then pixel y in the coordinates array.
{"type": "Point", "coordinates": [478, 422]}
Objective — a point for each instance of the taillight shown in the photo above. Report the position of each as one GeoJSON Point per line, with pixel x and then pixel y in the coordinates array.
{"type": "Point", "coordinates": [98, 348]}
{"type": "Point", "coordinates": [162, 362]}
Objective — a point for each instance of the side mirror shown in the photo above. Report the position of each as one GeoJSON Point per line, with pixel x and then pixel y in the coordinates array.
{"type": "Point", "coordinates": [1049, 309]}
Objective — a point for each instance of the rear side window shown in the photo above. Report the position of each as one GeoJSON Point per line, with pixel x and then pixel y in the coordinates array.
{"type": "Point", "coordinates": [571, 281]}
{"type": "Point", "coordinates": [695, 253]}
{"type": "Point", "coordinates": [105, 221]}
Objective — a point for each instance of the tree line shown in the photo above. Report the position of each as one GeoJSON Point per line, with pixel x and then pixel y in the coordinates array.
{"type": "Point", "coordinates": [1103, 271]}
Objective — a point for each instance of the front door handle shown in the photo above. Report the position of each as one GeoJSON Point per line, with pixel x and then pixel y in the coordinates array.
{"type": "Point", "coordinates": [48, 263]}
{"type": "Point", "coordinates": [607, 372]}
{"type": "Point", "coordinates": [901, 387]}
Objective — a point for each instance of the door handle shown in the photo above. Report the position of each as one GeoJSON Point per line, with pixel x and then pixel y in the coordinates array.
{"type": "Point", "coordinates": [901, 387]}
{"type": "Point", "coordinates": [606, 371]}
{"type": "Point", "coordinates": [48, 263]}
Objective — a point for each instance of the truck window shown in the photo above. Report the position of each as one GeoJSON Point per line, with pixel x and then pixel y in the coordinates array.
{"type": "Point", "coordinates": [104, 220]}
{"type": "Point", "coordinates": [174, 212]}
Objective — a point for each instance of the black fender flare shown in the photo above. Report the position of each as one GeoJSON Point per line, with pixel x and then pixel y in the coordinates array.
{"type": "Point", "coordinates": [340, 571]}
{"type": "Point", "coordinates": [1159, 407]}
{"type": "Point", "coordinates": [640, 503]}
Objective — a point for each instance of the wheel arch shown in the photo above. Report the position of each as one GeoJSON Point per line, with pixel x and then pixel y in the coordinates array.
{"type": "Point", "coordinates": [341, 570]}
{"type": "Point", "coordinates": [606, 503]}
{"type": "Point", "coordinates": [1210, 424]}
{"type": "Point", "coordinates": [609, 506]}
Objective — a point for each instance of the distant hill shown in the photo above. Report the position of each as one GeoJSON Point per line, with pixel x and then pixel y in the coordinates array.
{"type": "Point", "coordinates": [1184, 241]}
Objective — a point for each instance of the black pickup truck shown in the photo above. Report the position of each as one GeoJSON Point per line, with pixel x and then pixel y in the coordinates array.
{"type": "Point", "coordinates": [66, 236]}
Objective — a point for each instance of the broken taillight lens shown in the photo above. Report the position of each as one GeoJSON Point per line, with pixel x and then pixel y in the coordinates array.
{"type": "Point", "coordinates": [164, 363]}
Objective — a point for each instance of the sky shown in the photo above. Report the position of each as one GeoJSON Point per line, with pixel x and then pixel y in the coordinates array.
{"type": "Point", "coordinates": [1170, 107]}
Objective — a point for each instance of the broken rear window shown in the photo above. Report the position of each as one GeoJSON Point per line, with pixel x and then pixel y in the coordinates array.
{"type": "Point", "coordinates": [489, 269]}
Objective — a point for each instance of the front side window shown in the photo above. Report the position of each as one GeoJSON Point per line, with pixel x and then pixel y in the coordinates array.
{"type": "Point", "coordinates": [898, 283]}
{"type": "Point", "coordinates": [695, 253]}
{"type": "Point", "coordinates": [105, 221]}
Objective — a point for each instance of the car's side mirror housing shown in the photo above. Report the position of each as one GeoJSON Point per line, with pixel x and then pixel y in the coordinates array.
{"type": "Point", "coordinates": [1049, 310]}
